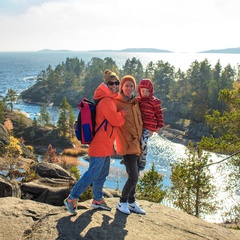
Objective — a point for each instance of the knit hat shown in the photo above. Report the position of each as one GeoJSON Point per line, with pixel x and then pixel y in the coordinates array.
{"type": "Point", "coordinates": [128, 78]}
{"type": "Point", "coordinates": [109, 75]}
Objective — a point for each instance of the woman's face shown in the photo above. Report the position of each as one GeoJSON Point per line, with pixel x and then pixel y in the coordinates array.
{"type": "Point", "coordinates": [128, 89]}
{"type": "Point", "coordinates": [113, 86]}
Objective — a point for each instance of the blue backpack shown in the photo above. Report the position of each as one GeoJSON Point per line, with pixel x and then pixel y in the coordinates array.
{"type": "Point", "coordinates": [85, 124]}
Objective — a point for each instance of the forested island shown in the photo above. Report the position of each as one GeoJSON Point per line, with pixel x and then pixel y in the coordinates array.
{"type": "Point", "coordinates": [186, 96]}
{"type": "Point", "coordinates": [226, 50]}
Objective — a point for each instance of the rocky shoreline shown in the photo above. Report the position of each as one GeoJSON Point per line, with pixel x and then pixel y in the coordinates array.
{"type": "Point", "coordinates": [178, 136]}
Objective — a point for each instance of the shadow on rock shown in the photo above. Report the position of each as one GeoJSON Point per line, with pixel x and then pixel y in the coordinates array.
{"type": "Point", "coordinates": [76, 229]}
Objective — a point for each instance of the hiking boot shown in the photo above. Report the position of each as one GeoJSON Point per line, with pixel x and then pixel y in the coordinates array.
{"type": "Point", "coordinates": [71, 205]}
{"type": "Point", "coordinates": [133, 207]}
{"type": "Point", "coordinates": [100, 204]}
{"type": "Point", "coordinates": [123, 207]}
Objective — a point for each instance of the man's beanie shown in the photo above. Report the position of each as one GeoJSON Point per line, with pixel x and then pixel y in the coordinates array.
{"type": "Point", "coordinates": [109, 75]}
{"type": "Point", "coordinates": [128, 78]}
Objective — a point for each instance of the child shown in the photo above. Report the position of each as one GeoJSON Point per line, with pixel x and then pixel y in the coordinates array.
{"type": "Point", "coordinates": [152, 116]}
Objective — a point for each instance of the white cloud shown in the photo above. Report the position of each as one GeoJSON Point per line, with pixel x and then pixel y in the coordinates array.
{"type": "Point", "coordinates": [175, 25]}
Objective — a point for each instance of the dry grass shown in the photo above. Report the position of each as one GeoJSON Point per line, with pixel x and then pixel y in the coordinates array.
{"type": "Point", "coordinates": [79, 149]}
{"type": "Point", "coordinates": [68, 161]}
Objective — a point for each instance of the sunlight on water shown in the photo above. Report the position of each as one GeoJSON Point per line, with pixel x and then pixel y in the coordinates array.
{"type": "Point", "coordinates": [226, 198]}
{"type": "Point", "coordinates": [161, 151]}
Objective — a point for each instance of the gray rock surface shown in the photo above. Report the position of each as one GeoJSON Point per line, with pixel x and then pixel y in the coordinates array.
{"type": "Point", "coordinates": [26, 219]}
{"type": "Point", "coordinates": [52, 186]}
{"type": "Point", "coordinates": [4, 136]}
{"type": "Point", "coordinates": [8, 188]}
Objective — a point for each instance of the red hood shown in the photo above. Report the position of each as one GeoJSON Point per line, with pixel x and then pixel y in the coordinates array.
{"type": "Point", "coordinates": [146, 83]}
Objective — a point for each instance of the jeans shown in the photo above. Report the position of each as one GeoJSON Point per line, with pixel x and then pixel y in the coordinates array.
{"type": "Point", "coordinates": [96, 175]}
{"type": "Point", "coordinates": [129, 189]}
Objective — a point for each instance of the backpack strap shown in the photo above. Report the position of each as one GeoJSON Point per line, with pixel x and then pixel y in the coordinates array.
{"type": "Point", "coordinates": [105, 127]}
{"type": "Point", "coordinates": [104, 121]}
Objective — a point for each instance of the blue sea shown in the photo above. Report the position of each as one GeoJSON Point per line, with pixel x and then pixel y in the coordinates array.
{"type": "Point", "coordinates": [19, 70]}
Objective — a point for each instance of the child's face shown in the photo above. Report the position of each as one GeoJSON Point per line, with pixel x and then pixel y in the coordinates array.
{"type": "Point", "coordinates": [144, 92]}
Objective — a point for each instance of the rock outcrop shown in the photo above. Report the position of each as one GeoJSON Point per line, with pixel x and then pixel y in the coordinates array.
{"type": "Point", "coordinates": [8, 188]}
{"type": "Point", "coordinates": [52, 185]}
{"type": "Point", "coordinates": [40, 138]}
{"type": "Point", "coordinates": [4, 136]}
{"type": "Point", "coordinates": [26, 219]}
{"type": "Point", "coordinates": [42, 93]}
{"type": "Point", "coordinates": [5, 140]}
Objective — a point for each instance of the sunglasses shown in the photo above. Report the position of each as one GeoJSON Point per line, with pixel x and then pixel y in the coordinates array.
{"type": "Point", "coordinates": [112, 83]}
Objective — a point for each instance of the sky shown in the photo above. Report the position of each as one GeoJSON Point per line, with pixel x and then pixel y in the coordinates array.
{"type": "Point", "coordinates": [82, 25]}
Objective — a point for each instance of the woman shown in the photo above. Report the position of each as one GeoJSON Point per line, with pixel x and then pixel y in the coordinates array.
{"type": "Point", "coordinates": [128, 143]}
{"type": "Point", "coordinates": [101, 147]}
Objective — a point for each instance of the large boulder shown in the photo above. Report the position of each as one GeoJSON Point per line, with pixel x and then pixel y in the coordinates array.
{"type": "Point", "coordinates": [46, 190]}
{"type": "Point", "coordinates": [50, 170]}
{"type": "Point", "coordinates": [52, 187]}
{"type": "Point", "coordinates": [8, 188]}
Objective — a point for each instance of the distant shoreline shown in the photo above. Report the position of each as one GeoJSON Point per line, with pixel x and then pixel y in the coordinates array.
{"type": "Point", "coordinates": [130, 50]}
{"type": "Point", "coordinates": [150, 50]}
{"type": "Point", "coordinates": [135, 50]}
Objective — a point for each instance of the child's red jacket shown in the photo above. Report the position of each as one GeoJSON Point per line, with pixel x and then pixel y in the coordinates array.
{"type": "Point", "coordinates": [152, 115]}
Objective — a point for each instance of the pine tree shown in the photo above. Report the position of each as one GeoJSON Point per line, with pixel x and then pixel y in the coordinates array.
{"type": "Point", "coordinates": [191, 189]}
{"type": "Point", "coordinates": [225, 126]}
{"type": "Point", "coordinates": [11, 97]}
{"type": "Point", "coordinates": [2, 113]}
{"type": "Point", "coordinates": [44, 117]}
{"type": "Point", "coordinates": [34, 123]}
{"type": "Point", "coordinates": [150, 186]}
{"type": "Point", "coordinates": [66, 118]}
